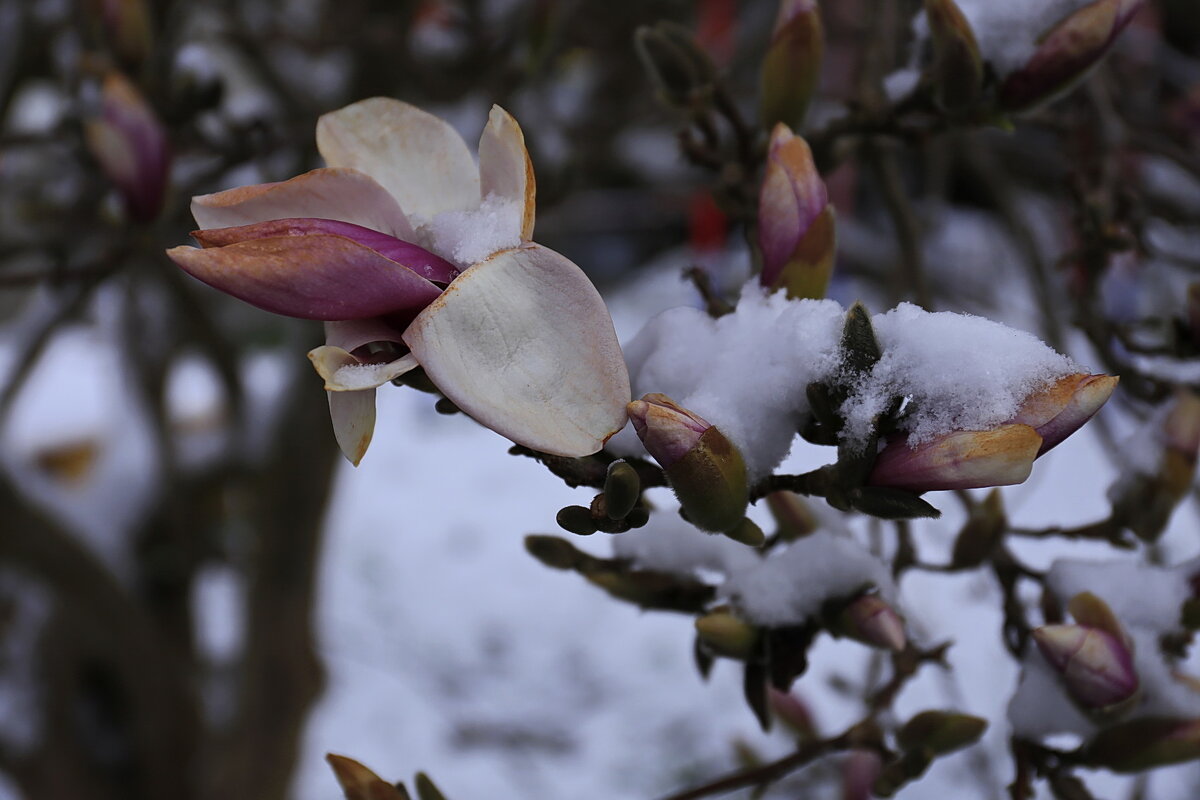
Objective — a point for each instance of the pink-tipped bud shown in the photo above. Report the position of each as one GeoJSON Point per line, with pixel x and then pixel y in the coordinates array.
{"type": "Point", "coordinates": [957, 68]}
{"type": "Point", "coordinates": [1096, 667]}
{"type": "Point", "coordinates": [796, 224]}
{"type": "Point", "coordinates": [1067, 52]}
{"type": "Point", "coordinates": [1061, 409]}
{"type": "Point", "coordinates": [792, 66]}
{"type": "Point", "coordinates": [790, 708]}
{"type": "Point", "coordinates": [1145, 743]}
{"type": "Point", "coordinates": [860, 770]}
{"type": "Point", "coordinates": [130, 144]}
{"type": "Point", "coordinates": [870, 620]}
{"type": "Point", "coordinates": [704, 468]}
{"type": "Point", "coordinates": [958, 460]}
{"type": "Point", "coordinates": [359, 783]}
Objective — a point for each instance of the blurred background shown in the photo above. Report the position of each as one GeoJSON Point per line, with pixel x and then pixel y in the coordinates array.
{"type": "Point", "coordinates": [199, 598]}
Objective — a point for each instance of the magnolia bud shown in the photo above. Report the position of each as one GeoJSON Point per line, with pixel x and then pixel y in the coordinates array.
{"type": "Point", "coordinates": [1062, 408]}
{"type": "Point", "coordinates": [957, 68]}
{"type": "Point", "coordinates": [748, 533]}
{"type": "Point", "coordinates": [940, 732]}
{"type": "Point", "coordinates": [792, 65]}
{"type": "Point", "coordinates": [622, 489]}
{"type": "Point", "coordinates": [553, 551]}
{"type": "Point", "coordinates": [870, 620]}
{"type": "Point", "coordinates": [860, 770]}
{"type": "Point", "coordinates": [426, 790]}
{"type": "Point", "coordinates": [1095, 666]}
{"type": "Point", "coordinates": [958, 460]}
{"type": "Point", "coordinates": [792, 514]}
{"type": "Point", "coordinates": [793, 712]}
{"type": "Point", "coordinates": [726, 635]}
{"type": "Point", "coordinates": [796, 224]}
{"type": "Point", "coordinates": [130, 144]}
{"type": "Point", "coordinates": [1145, 743]}
{"type": "Point", "coordinates": [1067, 53]}
{"type": "Point", "coordinates": [360, 783]}
{"type": "Point", "coordinates": [680, 70]}
{"type": "Point", "coordinates": [704, 468]}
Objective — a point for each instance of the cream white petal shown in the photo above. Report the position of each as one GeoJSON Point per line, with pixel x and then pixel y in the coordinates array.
{"type": "Point", "coordinates": [524, 344]}
{"type": "Point", "coordinates": [505, 169]}
{"type": "Point", "coordinates": [418, 158]}
{"type": "Point", "coordinates": [345, 373]}
{"type": "Point", "coordinates": [353, 416]}
{"type": "Point", "coordinates": [343, 195]}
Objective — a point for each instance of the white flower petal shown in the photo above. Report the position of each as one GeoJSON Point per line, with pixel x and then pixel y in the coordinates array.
{"type": "Point", "coordinates": [418, 158]}
{"type": "Point", "coordinates": [345, 373]}
{"type": "Point", "coordinates": [524, 344]}
{"type": "Point", "coordinates": [505, 169]}
{"type": "Point", "coordinates": [353, 416]}
{"type": "Point", "coordinates": [343, 195]}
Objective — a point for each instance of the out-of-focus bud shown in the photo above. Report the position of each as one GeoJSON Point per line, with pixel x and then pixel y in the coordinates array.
{"type": "Point", "coordinates": [704, 468]}
{"type": "Point", "coordinates": [860, 770]}
{"type": "Point", "coordinates": [724, 634]}
{"type": "Point", "coordinates": [126, 25]}
{"type": "Point", "coordinates": [553, 551]}
{"type": "Point", "coordinates": [1145, 743]}
{"type": "Point", "coordinates": [981, 533]}
{"type": "Point", "coordinates": [652, 590]}
{"type": "Point", "coordinates": [957, 68]}
{"type": "Point", "coordinates": [1095, 666]}
{"type": "Point", "coordinates": [748, 533]}
{"type": "Point", "coordinates": [792, 66]}
{"type": "Point", "coordinates": [1144, 501]}
{"type": "Point", "coordinates": [790, 709]}
{"type": "Point", "coordinates": [870, 620]}
{"type": "Point", "coordinates": [958, 460]}
{"type": "Point", "coordinates": [1061, 409]}
{"type": "Point", "coordinates": [797, 229]}
{"type": "Point", "coordinates": [792, 514]}
{"type": "Point", "coordinates": [682, 73]}
{"type": "Point", "coordinates": [940, 732]}
{"type": "Point", "coordinates": [426, 789]}
{"type": "Point", "coordinates": [130, 144]}
{"type": "Point", "coordinates": [1067, 52]}
{"type": "Point", "coordinates": [622, 489]}
{"type": "Point", "coordinates": [360, 783]}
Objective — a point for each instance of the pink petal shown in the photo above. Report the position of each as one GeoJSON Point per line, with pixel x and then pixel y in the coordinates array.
{"type": "Point", "coordinates": [345, 195]}
{"type": "Point", "coordinates": [524, 344]}
{"type": "Point", "coordinates": [311, 277]}
{"type": "Point", "coordinates": [505, 169]}
{"type": "Point", "coordinates": [959, 460]}
{"type": "Point", "coordinates": [417, 259]}
{"type": "Point", "coordinates": [353, 417]}
{"type": "Point", "coordinates": [418, 158]}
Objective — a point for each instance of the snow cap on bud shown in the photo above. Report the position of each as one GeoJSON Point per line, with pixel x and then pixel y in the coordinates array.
{"type": "Point", "coordinates": [958, 460]}
{"type": "Point", "coordinates": [1062, 408]}
{"type": "Point", "coordinates": [724, 634]}
{"type": "Point", "coordinates": [792, 67]}
{"type": "Point", "coordinates": [129, 142]}
{"type": "Point", "coordinates": [957, 68]}
{"type": "Point", "coordinates": [1094, 663]}
{"type": "Point", "coordinates": [704, 468]}
{"type": "Point", "coordinates": [1067, 52]}
{"type": "Point", "coordinates": [796, 223]}
{"type": "Point", "coordinates": [870, 620]}
{"type": "Point", "coordinates": [1145, 743]}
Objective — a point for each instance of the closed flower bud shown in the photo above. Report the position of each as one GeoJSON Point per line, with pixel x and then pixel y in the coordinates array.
{"type": "Point", "coordinates": [704, 468]}
{"type": "Point", "coordinates": [622, 489]}
{"type": "Point", "coordinates": [792, 514]}
{"type": "Point", "coordinates": [870, 620]}
{"type": "Point", "coordinates": [1061, 409]}
{"type": "Point", "coordinates": [1067, 52]}
{"type": "Point", "coordinates": [724, 634]}
{"type": "Point", "coordinates": [957, 68]}
{"type": "Point", "coordinates": [359, 783]}
{"type": "Point", "coordinates": [958, 460]}
{"type": "Point", "coordinates": [793, 712]}
{"type": "Point", "coordinates": [796, 224]}
{"type": "Point", "coordinates": [1145, 743]}
{"type": "Point", "coordinates": [682, 72]}
{"type": "Point", "coordinates": [860, 770]}
{"type": "Point", "coordinates": [129, 142]}
{"type": "Point", "coordinates": [940, 732]}
{"type": "Point", "coordinates": [1096, 667]}
{"type": "Point", "coordinates": [792, 65]}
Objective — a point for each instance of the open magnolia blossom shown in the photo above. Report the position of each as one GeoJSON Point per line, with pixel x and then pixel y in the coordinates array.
{"type": "Point", "coordinates": [416, 257]}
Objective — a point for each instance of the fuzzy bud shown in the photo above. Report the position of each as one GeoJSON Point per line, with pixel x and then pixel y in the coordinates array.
{"type": "Point", "coordinates": [130, 144]}
{"type": "Point", "coordinates": [870, 620]}
{"type": "Point", "coordinates": [704, 468]}
{"type": "Point", "coordinates": [940, 732]}
{"type": "Point", "coordinates": [1095, 666]}
{"type": "Point", "coordinates": [792, 66]}
{"type": "Point", "coordinates": [724, 634]}
{"type": "Point", "coordinates": [359, 783]}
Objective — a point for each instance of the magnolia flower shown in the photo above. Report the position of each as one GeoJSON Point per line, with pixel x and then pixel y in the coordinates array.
{"type": "Point", "coordinates": [413, 256]}
{"type": "Point", "coordinates": [998, 457]}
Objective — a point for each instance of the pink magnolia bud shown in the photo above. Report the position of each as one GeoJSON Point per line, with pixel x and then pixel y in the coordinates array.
{"type": "Point", "coordinates": [792, 65]}
{"type": "Point", "coordinates": [870, 620]}
{"type": "Point", "coordinates": [860, 769]}
{"type": "Point", "coordinates": [1095, 665]}
{"type": "Point", "coordinates": [796, 230]}
{"type": "Point", "coordinates": [791, 709]}
{"type": "Point", "coordinates": [130, 144]}
{"type": "Point", "coordinates": [704, 468]}
{"type": "Point", "coordinates": [958, 460]}
{"type": "Point", "coordinates": [1067, 53]}
{"type": "Point", "coordinates": [1061, 409]}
